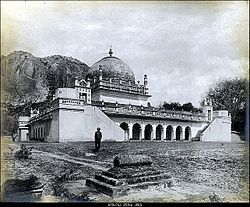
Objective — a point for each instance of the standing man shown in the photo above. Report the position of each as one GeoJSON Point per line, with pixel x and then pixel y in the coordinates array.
{"type": "Point", "coordinates": [98, 137]}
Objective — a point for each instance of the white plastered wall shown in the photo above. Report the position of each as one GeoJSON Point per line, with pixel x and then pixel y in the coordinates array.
{"type": "Point", "coordinates": [81, 125]}
{"type": "Point", "coordinates": [219, 130]}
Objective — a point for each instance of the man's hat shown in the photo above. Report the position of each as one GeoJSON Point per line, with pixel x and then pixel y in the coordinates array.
{"type": "Point", "coordinates": [98, 128]}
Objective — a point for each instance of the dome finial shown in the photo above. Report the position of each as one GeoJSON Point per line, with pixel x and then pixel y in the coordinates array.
{"type": "Point", "coordinates": [110, 51]}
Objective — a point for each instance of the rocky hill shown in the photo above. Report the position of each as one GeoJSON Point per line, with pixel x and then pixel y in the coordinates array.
{"type": "Point", "coordinates": [26, 78]}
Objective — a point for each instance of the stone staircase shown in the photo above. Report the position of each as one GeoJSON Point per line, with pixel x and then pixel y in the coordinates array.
{"type": "Point", "coordinates": [118, 181]}
{"type": "Point", "coordinates": [197, 136]}
{"type": "Point", "coordinates": [200, 132]}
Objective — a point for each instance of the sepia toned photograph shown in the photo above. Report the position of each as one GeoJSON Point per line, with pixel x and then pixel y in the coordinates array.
{"type": "Point", "coordinates": [125, 103]}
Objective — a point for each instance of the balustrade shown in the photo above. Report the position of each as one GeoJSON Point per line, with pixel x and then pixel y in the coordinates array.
{"type": "Point", "coordinates": [119, 86]}
{"type": "Point", "coordinates": [162, 114]}
{"type": "Point", "coordinates": [75, 102]}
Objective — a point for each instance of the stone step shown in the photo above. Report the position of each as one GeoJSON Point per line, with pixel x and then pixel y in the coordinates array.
{"type": "Point", "coordinates": [121, 175]}
{"type": "Point", "coordinates": [145, 173]}
{"type": "Point", "coordinates": [149, 178]}
{"type": "Point", "coordinates": [113, 175]}
{"type": "Point", "coordinates": [131, 169]}
{"type": "Point", "coordinates": [108, 180]}
{"type": "Point", "coordinates": [144, 185]}
{"type": "Point", "coordinates": [106, 188]}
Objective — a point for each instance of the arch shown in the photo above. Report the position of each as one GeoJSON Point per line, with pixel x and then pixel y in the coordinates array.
{"type": "Point", "coordinates": [178, 133]}
{"type": "Point", "coordinates": [187, 133]}
{"type": "Point", "coordinates": [136, 131]}
{"type": "Point", "coordinates": [148, 132]}
{"type": "Point", "coordinates": [159, 130]}
{"type": "Point", "coordinates": [169, 133]}
{"type": "Point", "coordinates": [125, 128]}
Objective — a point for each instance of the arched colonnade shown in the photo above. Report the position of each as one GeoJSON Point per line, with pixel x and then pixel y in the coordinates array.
{"type": "Point", "coordinates": [169, 132]}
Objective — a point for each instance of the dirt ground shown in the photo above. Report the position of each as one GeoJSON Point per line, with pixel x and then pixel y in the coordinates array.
{"type": "Point", "coordinates": [203, 172]}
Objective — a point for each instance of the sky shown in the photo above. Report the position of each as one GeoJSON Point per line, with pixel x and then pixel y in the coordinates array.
{"type": "Point", "coordinates": [183, 47]}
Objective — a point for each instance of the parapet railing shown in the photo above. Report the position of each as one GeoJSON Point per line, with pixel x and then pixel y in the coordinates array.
{"type": "Point", "coordinates": [224, 118]}
{"type": "Point", "coordinates": [133, 88]}
{"type": "Point", "coordinates": [42, 116]}
{"type": "Point", "coordinates": [66, 101]}
{"type": "Point", "coordinates": [71, 102]}
{"type": "Point", "coordinates": [160, 114]}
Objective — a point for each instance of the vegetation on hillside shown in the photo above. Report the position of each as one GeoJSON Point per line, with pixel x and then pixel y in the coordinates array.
{"type": "Point", "coordinates": [29, 81]}
{"type": "Point", "coordinates": [26, 78]}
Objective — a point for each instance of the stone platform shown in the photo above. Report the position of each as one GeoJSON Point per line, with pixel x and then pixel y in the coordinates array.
{"type": "Point", "coordinates": [28, 189]}
{"type": "Point", "coordinates": [119, 180]}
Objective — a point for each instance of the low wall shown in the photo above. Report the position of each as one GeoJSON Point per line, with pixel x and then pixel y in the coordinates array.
{"type": "Point", "coordinates": [235, 137]}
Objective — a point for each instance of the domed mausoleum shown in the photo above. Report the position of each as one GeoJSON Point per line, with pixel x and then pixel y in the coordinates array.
{"type": "Point", "coordinates": [112, 68]}
{"type": "Point", "coordinates": [113, 81]}
{"type": "Point", "coordinates": [111, 98]}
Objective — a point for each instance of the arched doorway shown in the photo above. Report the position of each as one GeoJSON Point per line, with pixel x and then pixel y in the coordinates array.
{"type": "Point", "coordinates": [136, 131]}
{"type": "Point", "coordinates": [187, 133]}
{"type": "Point", "coordinates": [148, 132]}
{"type": "Point", "coordinates": [178, 133]}
{"type": "Point", "coordinates": [169, 133]}
{"type": "Point", "coordinates": [159, 130]}
{"type": "Point", "coordinates": [124, 126]}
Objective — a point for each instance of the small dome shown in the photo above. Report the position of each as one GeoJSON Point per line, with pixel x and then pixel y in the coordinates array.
{"type": "Point", "coordinates": [112, 67]}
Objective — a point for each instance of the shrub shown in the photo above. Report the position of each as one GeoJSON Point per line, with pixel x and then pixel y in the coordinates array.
{"type": "Point", "coordinates": [23, 153]}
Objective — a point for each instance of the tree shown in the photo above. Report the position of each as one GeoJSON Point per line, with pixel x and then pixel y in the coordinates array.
{"type": "Point", "coordinates": [178, 107]}
{"type": "Point", "coordinates": [231, 95]}
{"type": "Point", "coordinates": [9, 117]}
{"type": "Point", "coordinates": [173, 105]}
{"type": "Point", "coordinates": [10, 125]}
{"type": "Point", "coordinates": [187, 107]}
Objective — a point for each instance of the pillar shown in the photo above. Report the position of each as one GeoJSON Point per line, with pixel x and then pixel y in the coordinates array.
{"type": "Point", "coordinates": [164, 132]}
{"type": "Point", "coordinates": [153, 132]}
{"type": "Point", "coordinates": [182, 133]}
{"type": "Point", "coordinates": [174, 133]}
{"type": "Point", "coordinates": [142, 131]}
{"type": "Point", "coordinates": [130, 131]}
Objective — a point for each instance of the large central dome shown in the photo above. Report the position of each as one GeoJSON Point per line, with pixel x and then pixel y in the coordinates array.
{"type": "Point", "coordinates": [112, 67]}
